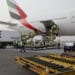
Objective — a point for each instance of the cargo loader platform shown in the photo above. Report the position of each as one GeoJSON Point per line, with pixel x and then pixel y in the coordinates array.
{"type": "Point", "coordinates": [46, 65]}
{"type": "Point", "coordinates": [59, 61]}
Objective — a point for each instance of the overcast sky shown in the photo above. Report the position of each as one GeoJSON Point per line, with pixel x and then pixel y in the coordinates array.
{"type": "Point", "coordinates": [38, 8]}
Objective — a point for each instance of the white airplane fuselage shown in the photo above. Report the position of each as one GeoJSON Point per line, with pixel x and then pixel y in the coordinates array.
{"type": "Point", "coordinates": [65, 22]}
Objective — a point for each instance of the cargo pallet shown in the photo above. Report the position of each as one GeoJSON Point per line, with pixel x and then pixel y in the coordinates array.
{"type": "Point", "coordinates": [48, 65]}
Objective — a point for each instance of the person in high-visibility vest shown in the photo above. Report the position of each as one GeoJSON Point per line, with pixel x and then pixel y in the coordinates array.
{"type": "Point", "coordinates": [21, 46]}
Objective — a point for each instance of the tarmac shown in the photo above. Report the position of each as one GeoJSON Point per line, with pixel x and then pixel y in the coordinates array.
{"type": "Point", "coordinates": [8, 65]}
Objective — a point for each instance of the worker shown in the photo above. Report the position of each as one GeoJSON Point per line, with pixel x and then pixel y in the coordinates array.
{"type": "Point", "coordinates": [15, 43]}
{"type": "Point", "coordinates": [58, 43]}
{"type": "Point", "coordinates": [21, 46]}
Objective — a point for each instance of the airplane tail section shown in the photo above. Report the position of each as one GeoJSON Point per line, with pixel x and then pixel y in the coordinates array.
{"type": "Point", "coordinates": [17, 13]}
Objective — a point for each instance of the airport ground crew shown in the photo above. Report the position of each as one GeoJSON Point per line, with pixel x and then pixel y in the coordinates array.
{"type": "Point", "coordinates": [15, 43]}
{"type": "Point", "coordinates": [58, 43]}
{"type": "Point", "coordinates": [21, 46]}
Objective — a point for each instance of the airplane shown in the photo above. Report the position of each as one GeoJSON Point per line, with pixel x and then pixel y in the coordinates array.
{"type": "Point", "coordinates": [65, 21]}
{"type": "Point", "coordinates": [18, 14]}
